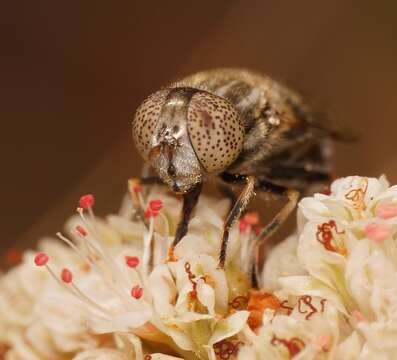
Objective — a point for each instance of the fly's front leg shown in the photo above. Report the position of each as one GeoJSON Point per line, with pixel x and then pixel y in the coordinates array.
{"type": "Point", "coordinates": [234, 214]}
{"type": "Point", "coordinates": [190, 200]}
{"type": "Point", "coordinates": [275, 224]}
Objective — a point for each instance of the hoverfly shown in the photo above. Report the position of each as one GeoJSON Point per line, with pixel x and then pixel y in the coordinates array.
{"type": "Point", "coordinates": [239, 127]}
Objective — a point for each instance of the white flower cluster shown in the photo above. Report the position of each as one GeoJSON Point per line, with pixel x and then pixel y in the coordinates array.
{"type": "Point", "coordinates": [113, 292]}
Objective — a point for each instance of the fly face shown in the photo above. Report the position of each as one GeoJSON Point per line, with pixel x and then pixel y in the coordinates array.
{"type": "Point", "coordinates": [172, 155]}
{"type": "Point", "coordinates": [161, 136]}
{"type": "Point", "coordinates": [186, 134]}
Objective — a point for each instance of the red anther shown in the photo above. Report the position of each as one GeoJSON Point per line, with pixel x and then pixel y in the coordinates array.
{"type": "Point", "coordinates": [81, 231]}
{"type": "Point", "coordinates": [66, 276]}
{"type": "Point", "coordinates": [137, 189]}
{"type": "Point", "coordinates": [156, 205]}
{"type": "Point", "coordinates": [243, 225]}
{"type": "Point", "coordinates": [87, 201]}
{"type": "Point", "coordinates": [137, 292]}
{"type": "Point", "coordinates": [41, 259]}
{"type": "Point", "coordinates": [132, 261]}
{"type": "Point", "coordinates": [134, 185]}
{"type": "Point", "coordinates": [150, 213]}
{"type": "Point", "coordinates": [252, 218]}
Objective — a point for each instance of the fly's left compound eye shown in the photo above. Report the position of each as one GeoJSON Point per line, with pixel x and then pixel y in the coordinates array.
{"type": "Point", "coordinates": [215, 130]}
{"type": "Point", "coordinates": [145, 121]}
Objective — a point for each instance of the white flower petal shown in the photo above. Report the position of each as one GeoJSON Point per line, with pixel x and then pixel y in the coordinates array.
{"type": "Point", "coordinates": [206, 296]}
{"type": "Point", "coordinates": [228, 327]}
{"type": "Point", "coordinates": [102, 354]}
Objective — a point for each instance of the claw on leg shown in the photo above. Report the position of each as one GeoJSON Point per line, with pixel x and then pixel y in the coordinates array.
{"type": "Point", "coordinates": [190, 200]}
{"type": "Point", "coordinates": [270, 229]}
{"type": "Point", "coordinates": [171, 257]}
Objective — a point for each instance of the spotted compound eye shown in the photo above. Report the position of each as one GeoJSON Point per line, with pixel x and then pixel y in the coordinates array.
{"type": "Point", "coordinates": [145, 121]}
{"type": "Point", "coordinates": [216, 131]}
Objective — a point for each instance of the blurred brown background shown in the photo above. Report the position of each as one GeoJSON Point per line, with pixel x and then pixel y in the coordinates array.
{"type": "Point", "coordinates": [73, 72]}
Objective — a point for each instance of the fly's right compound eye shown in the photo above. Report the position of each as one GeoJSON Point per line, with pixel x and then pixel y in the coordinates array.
{"type": "Point", "coordinates": [145, 122]}
{"type": "Point", "coordinates": [215, 130]}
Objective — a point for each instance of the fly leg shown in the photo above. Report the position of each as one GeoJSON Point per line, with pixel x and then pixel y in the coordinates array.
{"type": "Point", "coordinates": [190, 200]}
{"type": "Point", "coordinates": [275, 223]}
{"type": "Point", "coordinates": [239, 206]}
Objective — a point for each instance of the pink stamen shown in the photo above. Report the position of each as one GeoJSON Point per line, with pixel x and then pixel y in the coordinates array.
{"type": "Point", "coordinates": [243, 225]}
{"type": "Point", "coordinates": [357, 315]}
{"type": "Point", "coordinates": [87, 201]}
{"type": "Point", "coordinates": [137, 189]}
{"type": "Point", "coordinates": [137, 292]}
{"type": "Point", "coordinates": [135, 185]}
{"type": "Point", "coordinates": [66, 276]}
{"type": "Point", "coordinates": [386, 211]}
{"type": "Point", "coordinates": [150, 213]}
{"type": "Point", "coordinates": [323, 341]}
{"type": "Point", "coordinates": [41, 259]}
{"type": "Point", "coordinates": [81, 231]}
{"type": "Point", "coordinates": [377, 232]}
{"type": "Point", "coordinates": [252, 218]}
{"type": "Point", "coordinates": [155, 205]}
{"type": "Point", "coordinates": [132, 261]}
